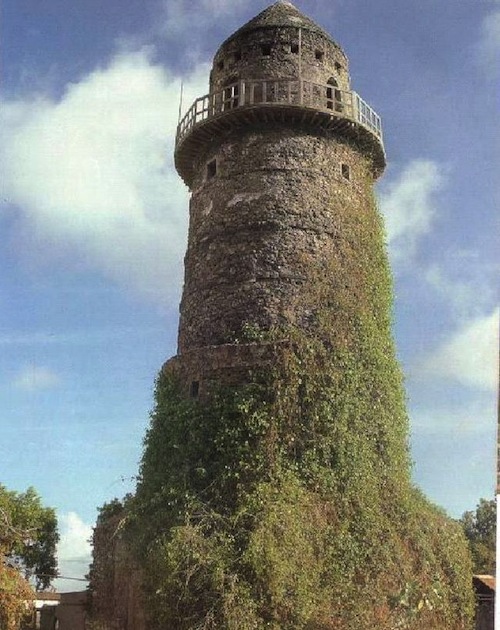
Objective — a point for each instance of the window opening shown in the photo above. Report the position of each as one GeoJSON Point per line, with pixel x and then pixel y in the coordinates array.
{"type": "Point", "coordinates": [294, 48]}
{"type": "Point", "coordinates": [320, 55]}
{"type": "Point", "coordinates": [211, 169]}
{"type": "Point", "coordinates": [194, 389]}
{"type": "Point", "coordinates": [338, 66]}
{"type": "Point", "coordinates": [333, 96]}
{"type": "Point", "coordinates": [266, 50]}
{"type": "Point", "coordinates": [346, 171]}
{"type": "Point", "coordinates": [220, 65]}
{"type": "Point", "coordinates": [230, 94]}
{"type": "Point", "coordinates": [237, 55]}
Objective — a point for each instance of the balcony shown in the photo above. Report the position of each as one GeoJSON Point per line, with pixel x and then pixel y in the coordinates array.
{"type": "Point", "coordinates": [298, 101]}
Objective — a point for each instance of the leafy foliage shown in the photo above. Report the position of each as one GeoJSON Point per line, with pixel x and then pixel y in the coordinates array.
{"type": "Point", "coordinates": [287, 502]}
{"type": "Point", "coordinates": [480, 530]}
{"type": "Point", "coordinates": [29, 534]}
{"type": "Point", "coordinates": [28, 538]}
{"type": "Point", "coordinates": [280, 536]}
{"type": "Point", "coordinates": [16, 597]}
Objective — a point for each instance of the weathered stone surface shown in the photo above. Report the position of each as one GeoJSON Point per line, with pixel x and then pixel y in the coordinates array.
{"type": "Point", "coordinates": [279, 203]}
{"type": "Point", "coordinates": [116, 600]}
{"type": "Point", "coordinates": [291, 54]}
{"type": "Point", "coordinates": [278, 211]}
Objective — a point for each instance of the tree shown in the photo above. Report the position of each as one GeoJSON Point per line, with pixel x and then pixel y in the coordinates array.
{"type": "Point", "coordinates": [28, 538]}
{"type": "Point", "coordinates": [480, 530]}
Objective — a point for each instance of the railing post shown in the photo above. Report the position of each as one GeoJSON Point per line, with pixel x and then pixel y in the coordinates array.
{"type": "Point", "coordinates": [345, 103]}
{"type": "Point", "coordinates": [355, 106]}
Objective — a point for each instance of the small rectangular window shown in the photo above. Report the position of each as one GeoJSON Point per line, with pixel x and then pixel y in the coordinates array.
{"type": "Point", "coordinates": [266, 50]}
{"type": "Point", "coordinates": [346, 171]}
{"type": "Point", "coordinates": [211, 169]}
{"type": "Point", "coordinates": [220, 65]}
{"type": "Point", "coordinates": [237, 55]}
{"type": "Point", "coordinates": [294, 48]}
{"type": "Point", "coordinates": [194, 390]}
{"type": "Point", "coordinates": [338, 67]}
{"type": "Point", "coordinates": [319, 54]}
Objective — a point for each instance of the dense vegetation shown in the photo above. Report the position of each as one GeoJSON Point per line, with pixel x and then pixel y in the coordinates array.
{"type": "Point", "coordinates": [480, 530]}
{"type": "Point", "coordinates": [28, 539]}
{"type": "Point", "coordinates": [286, 503]}
{"type": "Point", "coordinates": [268, 528]}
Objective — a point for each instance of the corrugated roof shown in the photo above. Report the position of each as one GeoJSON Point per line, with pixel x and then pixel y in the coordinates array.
{"type": "Point", "coordinates": [487, 580]}
{"type": "Point", "coordinates": [47, 596]}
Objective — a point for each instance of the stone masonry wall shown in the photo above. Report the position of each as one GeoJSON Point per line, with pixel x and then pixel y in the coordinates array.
{"type": "Point", "coordinates": [226, 364]}
{"type": "Point", "coordinates": [242, 58]}
{"type": "Point", "coordinates": [283, 205]}
{"type": "Point", "coordinates": [273, 204]}
{"type": "Point", "coordinates": [116, 596]}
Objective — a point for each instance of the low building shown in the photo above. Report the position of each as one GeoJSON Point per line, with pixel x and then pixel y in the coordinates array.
{"type": "Point", "coordinates": [59, 611]}
{"type": "Point", "coordinates": [484, 588]}
{"type": "Point", "coordinates": [71, 613]}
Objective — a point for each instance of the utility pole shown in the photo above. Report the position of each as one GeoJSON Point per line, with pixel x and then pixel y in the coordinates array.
{"type": "Point", "coordinates": [497, 570]}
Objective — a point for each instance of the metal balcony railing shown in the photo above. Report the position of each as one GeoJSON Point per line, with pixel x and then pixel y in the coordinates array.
{"type": "Point", "coordinates": [281, 92]}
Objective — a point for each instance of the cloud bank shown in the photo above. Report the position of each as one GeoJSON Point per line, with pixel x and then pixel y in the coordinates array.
{"type": "Point", "coordinates": [36, 377]}
{"type": "Point", "coordinates": [489, 43]}
{"type": "Point", "coordinates": [181, 16]}
{"type": "Point", "coordinates": [408, 205]}
{"type": "Point", "coordinates": [91, 176]}
{"type": "Point", "coordinates": [470, 356]}
{"type": "Point", "coordinates": [462, 420]}
{"type": "Point", "coordinates": [74, 552]}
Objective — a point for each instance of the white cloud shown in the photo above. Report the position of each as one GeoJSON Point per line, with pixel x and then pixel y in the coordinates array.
{"type": "Point", "coordinates": [74, 552]}
{"type": "Point", "coordinates": [34, 377]}
{"type": "Point", "coordinates": [489, 43]}
{"type": "Point", "coordinates": [408, 206]}
{"type": "Point", "coordinates": [477, 416]}
{"type": "Point", "coordinates": [465, 282]}
{"type": "Point", "coordinates": [181, 16]}
{"type": "Point", "coordinates": [470, 357]}
{"type": "Point", "coordinates": [92, 174]}
{"type": "Point", "coordinates": [82, 337]}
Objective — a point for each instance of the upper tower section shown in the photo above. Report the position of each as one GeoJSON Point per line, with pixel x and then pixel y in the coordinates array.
{"type": "Point", "coordinates": [280, 43]}
{"type": "Point", "coordinates": [280, 67]}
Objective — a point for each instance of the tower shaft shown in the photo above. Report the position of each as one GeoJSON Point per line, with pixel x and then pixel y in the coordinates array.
{"type": "Point", "coordinates": [281, 157]}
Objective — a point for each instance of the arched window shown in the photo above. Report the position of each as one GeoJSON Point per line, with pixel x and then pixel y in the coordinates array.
{"type": "Point", "coordinates": [230, 94]}
{"type": "Point", "coordinates": [334, 95]}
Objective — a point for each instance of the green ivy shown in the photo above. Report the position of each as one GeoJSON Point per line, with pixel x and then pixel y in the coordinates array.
{"type": "Point", "coordinates": [286, 503]}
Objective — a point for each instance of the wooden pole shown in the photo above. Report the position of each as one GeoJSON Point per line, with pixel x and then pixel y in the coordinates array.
{"type": "Point", "coordinates": [180, 103]}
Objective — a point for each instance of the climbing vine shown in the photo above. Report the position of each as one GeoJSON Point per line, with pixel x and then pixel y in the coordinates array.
{"type": "Point", "coordinates": [290, 510]}
{"type": "Point", "coordinates": [287, 503]}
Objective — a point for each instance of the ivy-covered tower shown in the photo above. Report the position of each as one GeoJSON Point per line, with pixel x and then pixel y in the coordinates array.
{"type": "Point", "coordinates": [280, 157]}
{"type": "Point", "coordinates": [274, 489]}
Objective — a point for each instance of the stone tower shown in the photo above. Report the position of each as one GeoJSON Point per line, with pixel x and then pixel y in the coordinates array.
{"type": "Point", "coordinates": [270, 154]}
{"type": "Point", "coordinates": [284, 500]}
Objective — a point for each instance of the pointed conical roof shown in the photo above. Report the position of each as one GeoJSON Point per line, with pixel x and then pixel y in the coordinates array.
{"type": "Point", "coordinates": [281, 13]}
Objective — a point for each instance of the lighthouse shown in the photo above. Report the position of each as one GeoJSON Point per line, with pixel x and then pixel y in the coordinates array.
{"type": "Point", "coordinates": [274, 489]}
{"type": "Point", "coordinates": [280, 157]}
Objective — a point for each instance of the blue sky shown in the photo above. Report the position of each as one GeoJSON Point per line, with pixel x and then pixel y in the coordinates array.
{"type": "Point", "coordinates": [93, 221]}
